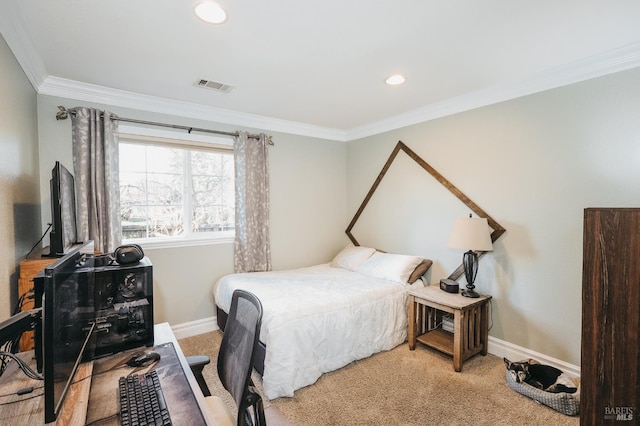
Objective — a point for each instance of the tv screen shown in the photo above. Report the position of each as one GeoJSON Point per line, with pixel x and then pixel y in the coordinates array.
{"type": "Point", "coordinates": [68, 322]}
{"type": "Point", "coordinates": [64, 232]}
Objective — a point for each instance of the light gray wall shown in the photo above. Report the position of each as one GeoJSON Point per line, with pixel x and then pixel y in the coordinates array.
{"type": "Point", "coordinates": [533, 164]}
{"type": "Point", "coordinates": [19, 196]}
{"type": "Point", "coordinates": [308, 210]}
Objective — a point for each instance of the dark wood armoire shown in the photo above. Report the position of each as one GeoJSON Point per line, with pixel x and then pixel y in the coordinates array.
{"type": "Point", "coordinates": [610, 375]}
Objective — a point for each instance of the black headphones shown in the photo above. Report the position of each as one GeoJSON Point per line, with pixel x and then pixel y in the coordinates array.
{"type": "Point", "coordinates": [128, 254]}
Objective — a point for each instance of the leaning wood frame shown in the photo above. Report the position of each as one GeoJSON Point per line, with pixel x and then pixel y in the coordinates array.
{"type": "Point", "coordinates": [498, 230]}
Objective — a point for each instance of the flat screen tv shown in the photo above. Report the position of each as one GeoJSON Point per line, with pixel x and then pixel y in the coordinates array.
{"type": "Point", "coordinates": [64, 233]}
{"type": "Point", "coordinates": [68, 321]}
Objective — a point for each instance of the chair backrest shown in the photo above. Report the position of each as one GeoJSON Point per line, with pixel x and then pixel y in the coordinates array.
{"type": "Point", "coordinates": [237, 350]}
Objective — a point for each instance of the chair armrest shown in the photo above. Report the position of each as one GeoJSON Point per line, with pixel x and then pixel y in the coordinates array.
{"type": "Point", "coordinates": [197, 364]}
{"type": "Point", "coordinates": [198, 361]}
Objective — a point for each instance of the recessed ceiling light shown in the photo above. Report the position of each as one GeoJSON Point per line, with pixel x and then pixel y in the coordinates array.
{"type": "Point", "coordinates": [211, 12]}
{"type": "Point", "coordinates": [395, 80]}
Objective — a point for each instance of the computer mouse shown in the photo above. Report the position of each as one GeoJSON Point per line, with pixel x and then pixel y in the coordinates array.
{"type": "Point", "coordinates": [142, 359]}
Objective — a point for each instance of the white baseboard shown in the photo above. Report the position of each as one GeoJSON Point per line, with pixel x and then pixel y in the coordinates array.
{"type": "Point", "coordinates": [193, 328]}
{"type": "Point", "coordinates": [503, 349]}
{"type": "Point", "coordinates": [497, 347]}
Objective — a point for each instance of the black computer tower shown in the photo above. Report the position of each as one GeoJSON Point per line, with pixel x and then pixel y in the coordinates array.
{"type": "Point", "coordinates": [117, 298]}
{"type": "Point", "coordinates": [123, 300]}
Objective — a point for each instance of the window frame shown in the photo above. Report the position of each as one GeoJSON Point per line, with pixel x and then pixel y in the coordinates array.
{"type": "Point", "coordinates": [158, 137]}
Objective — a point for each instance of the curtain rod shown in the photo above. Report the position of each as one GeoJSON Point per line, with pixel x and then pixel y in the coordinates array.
{"type": "Point", "coordinates": [63, 114]}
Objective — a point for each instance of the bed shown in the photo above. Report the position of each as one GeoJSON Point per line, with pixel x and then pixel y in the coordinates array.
{"type": "Point", "coordinates": [320, 318]}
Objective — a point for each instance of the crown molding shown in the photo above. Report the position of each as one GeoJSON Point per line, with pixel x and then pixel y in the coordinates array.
{"type": "Point", "coordinates": [56, 86]}
{"type": "Point", "coordinates": [14, 33]}
{"type": "Point", "coordinates": [12, 29]}
{"type": "Point", "coordinates": [609, 62]}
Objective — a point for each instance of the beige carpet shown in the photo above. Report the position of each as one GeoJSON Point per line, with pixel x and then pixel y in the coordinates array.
{"type": "Point", "coordinates": [400, 387]}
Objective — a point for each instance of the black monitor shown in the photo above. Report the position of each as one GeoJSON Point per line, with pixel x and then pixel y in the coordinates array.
{"type": "Point", "coordinates": [12, 328]}
{"type": "Point", "coordinates": [68, 320]}
{"type": "Point", "coordinates": [64, 233]}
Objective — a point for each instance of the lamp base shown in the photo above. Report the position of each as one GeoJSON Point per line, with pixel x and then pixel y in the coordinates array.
{"type": "Point", "coordinates": [470, 264]}
{"type": "Point", "coordinates": [469, 293]}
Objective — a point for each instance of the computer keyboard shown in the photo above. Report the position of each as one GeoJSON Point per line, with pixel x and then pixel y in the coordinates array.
{"type": "Point", "coordinates": [142, 401]}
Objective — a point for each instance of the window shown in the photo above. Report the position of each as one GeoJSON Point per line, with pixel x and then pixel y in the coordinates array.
{"type": "Point", "coordinates": [175, 191]}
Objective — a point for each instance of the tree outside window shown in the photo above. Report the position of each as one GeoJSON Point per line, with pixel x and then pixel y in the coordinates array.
{"type": "Point", "coordinates": [175, 192]}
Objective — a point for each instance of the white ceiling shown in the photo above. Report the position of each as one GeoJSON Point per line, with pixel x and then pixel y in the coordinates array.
{"type": "Point", "coordinates": [317, 68]}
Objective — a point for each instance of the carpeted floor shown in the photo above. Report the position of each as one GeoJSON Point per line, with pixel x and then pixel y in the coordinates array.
{"type": "Point", "coordinates": [400, 387]}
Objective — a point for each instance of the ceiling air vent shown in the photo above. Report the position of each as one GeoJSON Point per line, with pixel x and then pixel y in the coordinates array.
{"type": "Point", "coordinates": [214, 85]}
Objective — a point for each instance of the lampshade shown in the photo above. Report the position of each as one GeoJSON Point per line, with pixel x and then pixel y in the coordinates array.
{"type": "Point", "coordinates": [471, 233]}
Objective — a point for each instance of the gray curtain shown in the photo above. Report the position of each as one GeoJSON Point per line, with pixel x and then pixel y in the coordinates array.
{"type": "Point", "coordinates": [95, 163]}
{"type": "Point", "coordinates": [252, 249]}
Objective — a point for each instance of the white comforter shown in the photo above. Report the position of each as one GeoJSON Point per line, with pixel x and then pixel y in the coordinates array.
{"type": "Point", "coordinates": [319, 319]}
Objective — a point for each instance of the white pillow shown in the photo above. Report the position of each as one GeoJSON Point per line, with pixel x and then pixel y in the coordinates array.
{"type": "Point", "coordinates": [392, 267]}
{"type": "Point", "coordinates": [351, 257]}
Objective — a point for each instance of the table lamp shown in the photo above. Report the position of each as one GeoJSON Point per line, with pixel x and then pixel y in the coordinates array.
{"type": "Point", "coordinates": [472, 234]}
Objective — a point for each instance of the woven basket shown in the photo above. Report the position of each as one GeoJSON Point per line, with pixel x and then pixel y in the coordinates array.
{"type": "Point", "coordinates": [565, 403]}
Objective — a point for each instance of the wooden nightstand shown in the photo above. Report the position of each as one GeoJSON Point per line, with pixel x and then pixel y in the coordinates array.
{"type": "Point", "coordinates": [470, 323]}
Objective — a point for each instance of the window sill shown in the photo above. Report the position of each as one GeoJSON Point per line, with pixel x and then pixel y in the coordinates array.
{"type": "Point", "coordinates": [156, 243]}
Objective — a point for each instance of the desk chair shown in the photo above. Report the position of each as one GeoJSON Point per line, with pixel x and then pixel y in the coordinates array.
{"type": "Point", "coordinates": [236, 357]}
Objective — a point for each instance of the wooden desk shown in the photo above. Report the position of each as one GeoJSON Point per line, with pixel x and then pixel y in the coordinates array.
{"type": "Point", "coordinates": [470, 323]}
{"type": "Point", "coordinates": [94, 398]}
